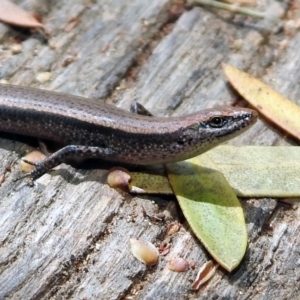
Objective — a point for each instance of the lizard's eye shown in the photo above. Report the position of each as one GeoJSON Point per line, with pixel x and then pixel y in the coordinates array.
{"type": "Point", "coordinates": [217, 122]}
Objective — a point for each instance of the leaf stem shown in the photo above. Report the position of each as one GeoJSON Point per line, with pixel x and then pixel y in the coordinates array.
{"type": "Point", "coordinates": [230, 7]}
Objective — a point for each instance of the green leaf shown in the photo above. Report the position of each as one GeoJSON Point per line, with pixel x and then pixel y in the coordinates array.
{"type": "Point", "coordinates": [260, 171]}
{"type": "Point", "coordinates": [211, 209]}
{"type": "Point", "coordinates": [144, 183]}
{"type": "Point", "coordinates": [210, 204]}
{"type": "Point", "coordinates": [252, 171]}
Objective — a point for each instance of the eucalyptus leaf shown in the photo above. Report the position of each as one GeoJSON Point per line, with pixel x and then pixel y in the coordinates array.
{"type": "Point", "coordinates": [274, 106]}
{"type": "Point", "coordinates": [260, 171]}
{"type": "Point", "coordinates": [211, 209]}
{"type": "Point", "coordinates": [252, 171]}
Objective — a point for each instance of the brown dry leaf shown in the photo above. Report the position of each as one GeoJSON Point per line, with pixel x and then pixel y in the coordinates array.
{"type": "Point", "coordinates": [280, 110]}
{"type": "Point", "coordinates": [12, 14]}
{"type": "Point", "coordinates": [72, 24]}
{"type": "Point", "coordinates": [2, 179]}
{"type": "Point", "coordinates": [205, 273]}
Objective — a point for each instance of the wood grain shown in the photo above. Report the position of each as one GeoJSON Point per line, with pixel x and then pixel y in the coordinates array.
{"type": "Point", "coordinates": [68, 236]}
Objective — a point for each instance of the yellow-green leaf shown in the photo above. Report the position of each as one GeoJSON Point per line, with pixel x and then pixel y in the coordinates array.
{"type": "Point", "coordinates": [143, 183]}
{"type": "Point", "coordinates": [252, 171]}
{"type": "Point", "coordinates": [211, 209]}
{"type": "Point", "coordinates": [268, 102]}
{"type": "Point", "coordinates": [260, 171]}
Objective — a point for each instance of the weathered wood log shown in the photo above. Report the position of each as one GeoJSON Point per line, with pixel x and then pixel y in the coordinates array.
{"type": "Point", "coordinates": [68, 236]}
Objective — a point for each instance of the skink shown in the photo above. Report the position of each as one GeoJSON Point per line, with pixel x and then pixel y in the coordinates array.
{"type": "Point", "coordinates": [91, 129]}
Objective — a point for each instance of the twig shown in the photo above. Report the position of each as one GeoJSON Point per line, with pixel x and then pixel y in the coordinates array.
{"type": "Point", "coordinates": [230, 7]}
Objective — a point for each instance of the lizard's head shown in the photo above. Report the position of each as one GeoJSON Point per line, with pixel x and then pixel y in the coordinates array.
{"type": "Point", "coordinates": [226, 122]}
{"type": "Point", "coordinates": [209, 128]}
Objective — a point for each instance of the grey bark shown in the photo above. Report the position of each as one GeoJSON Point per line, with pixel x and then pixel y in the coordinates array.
{"type": "Point", "coordinates": [68, 237]}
